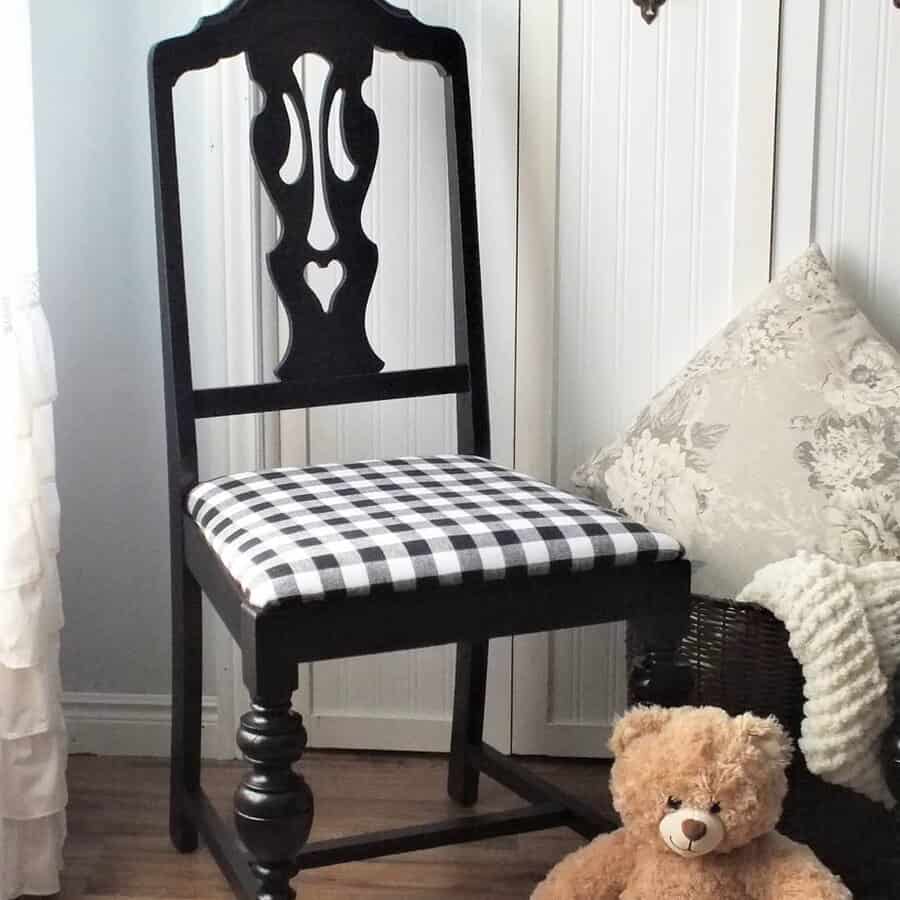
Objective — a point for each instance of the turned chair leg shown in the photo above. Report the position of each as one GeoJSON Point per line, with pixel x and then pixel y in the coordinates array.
{"type": "Point", "coordinates": [468, 720]}
{"type": "Point", "coordinates": [187, 684]}
{"type": "Point", "coordinates": [273, 806]}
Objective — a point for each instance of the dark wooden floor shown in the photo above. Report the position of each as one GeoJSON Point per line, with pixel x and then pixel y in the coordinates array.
{"type": "Point", "coordinates": [118, 846]}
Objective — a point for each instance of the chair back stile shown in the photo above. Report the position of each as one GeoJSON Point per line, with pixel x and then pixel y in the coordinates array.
{"type": "Point", "coordinates": [328, 359]}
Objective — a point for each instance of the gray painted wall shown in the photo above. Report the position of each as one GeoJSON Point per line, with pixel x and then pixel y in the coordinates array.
{"type": "Point", "coordinates": [99, 287]}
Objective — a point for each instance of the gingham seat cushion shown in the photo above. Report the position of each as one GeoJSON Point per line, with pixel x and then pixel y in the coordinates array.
{"type": "Point", "coordinates": [321, 532]}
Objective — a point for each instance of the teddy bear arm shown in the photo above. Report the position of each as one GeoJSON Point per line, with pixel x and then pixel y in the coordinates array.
{"type": "Point", "coordinates": [599, 871]}
{"type": "Point", "coordinates": [786, 870]}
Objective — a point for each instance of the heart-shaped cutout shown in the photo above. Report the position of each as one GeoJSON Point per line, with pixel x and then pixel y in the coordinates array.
{"type": "Point", "coordinates": [324, 281]}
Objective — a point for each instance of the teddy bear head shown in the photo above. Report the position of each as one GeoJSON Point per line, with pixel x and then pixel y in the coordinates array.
{"type": "Point", "coordinates": [697, 780]}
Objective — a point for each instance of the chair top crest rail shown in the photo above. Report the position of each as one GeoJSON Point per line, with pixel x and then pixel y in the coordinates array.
{"type": "Point", "coordinates": [317, 26]}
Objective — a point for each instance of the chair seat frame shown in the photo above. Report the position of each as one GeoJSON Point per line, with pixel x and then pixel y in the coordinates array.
{"type": "Point", "coordinates": [329, 361]}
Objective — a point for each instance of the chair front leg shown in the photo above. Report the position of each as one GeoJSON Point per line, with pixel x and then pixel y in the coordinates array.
{"type": "Point", "coordinates": [273, 807]}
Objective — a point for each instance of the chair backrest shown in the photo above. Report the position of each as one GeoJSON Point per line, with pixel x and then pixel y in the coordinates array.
{"type": "Point", "coordinates": [328, 359]}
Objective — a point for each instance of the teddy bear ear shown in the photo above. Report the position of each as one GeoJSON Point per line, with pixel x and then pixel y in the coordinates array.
{"type": "Point", "coordinates": [767, 735]}
{"type": "Point", "coordinates": [637, 722]}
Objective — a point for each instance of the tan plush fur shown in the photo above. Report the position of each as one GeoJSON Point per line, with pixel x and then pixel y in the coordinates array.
{"type": "Point", "coordinates": [732, 770]}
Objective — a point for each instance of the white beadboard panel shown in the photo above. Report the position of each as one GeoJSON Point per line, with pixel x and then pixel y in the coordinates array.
{"type": "Point", "coordinates": [355, 703]}
{"type": "Point", "coordinates": [651, 247]}
{"type": "Point", "coordinates": [798, 93]}
{"type": "Point", "coordinates": [416, 684]}
{"type": "Point", "coordinates": [754, 151]}
{"type": "Point", "coordinates": [647, 145]}
{"type": "Point", "coordinates": [579, 674]}
{"type": "Point", "coordinates": [538, 194]}
{"type": "Point", "coordinates": [857, 189]}
{"type": "Point", "coordinates": [232, 307]}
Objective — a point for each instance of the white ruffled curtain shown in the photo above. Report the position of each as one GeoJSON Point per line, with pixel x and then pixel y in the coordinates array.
{"type": "Point", "coordinates": [32, 732]}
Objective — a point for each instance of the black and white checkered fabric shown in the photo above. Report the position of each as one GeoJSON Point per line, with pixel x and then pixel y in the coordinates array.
{"type": "Point", "coordinates": [328, 531]}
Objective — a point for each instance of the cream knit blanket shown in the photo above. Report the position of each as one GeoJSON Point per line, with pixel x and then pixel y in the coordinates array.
{"type": "Point", "coordinates": [844, 629]}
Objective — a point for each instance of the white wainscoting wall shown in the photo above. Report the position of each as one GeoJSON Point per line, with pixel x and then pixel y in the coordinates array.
{"type": "Point", "coordinates": [627, 210]}
{"type": "Point", "coordinates": [838, 179]}
{"type": "Point", "coordinates": [666, 145]}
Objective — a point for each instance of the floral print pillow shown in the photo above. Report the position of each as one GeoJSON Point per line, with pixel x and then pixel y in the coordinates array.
{"type": "Point", "coordinates": [782, 434]}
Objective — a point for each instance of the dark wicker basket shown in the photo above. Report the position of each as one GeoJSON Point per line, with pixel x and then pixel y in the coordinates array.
{"type": "Point", "coordinates": [740, 660]}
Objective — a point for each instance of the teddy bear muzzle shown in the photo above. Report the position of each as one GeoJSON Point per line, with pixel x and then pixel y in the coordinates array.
{"type": "Point", "coordinates": [692, 832]}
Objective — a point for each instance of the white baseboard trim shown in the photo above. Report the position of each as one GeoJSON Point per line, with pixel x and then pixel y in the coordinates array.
{"type": "Point", "coordinates": [350, 732]}
{"type": "Point", "coordinates": [130, 724]}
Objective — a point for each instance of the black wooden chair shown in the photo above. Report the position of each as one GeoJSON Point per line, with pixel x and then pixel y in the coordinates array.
{"type": "Point", "coordinates": [325, 562]}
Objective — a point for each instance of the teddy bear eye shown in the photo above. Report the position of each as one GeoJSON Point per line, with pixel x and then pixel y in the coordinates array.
{"type": "Point", "coordinates": [673, 803]}
{"type": "Point", "coordinates": [716, 808]}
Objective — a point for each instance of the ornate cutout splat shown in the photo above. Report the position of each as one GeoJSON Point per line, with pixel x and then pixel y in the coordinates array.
{"type": "Point", "coordinates": [328, 336]}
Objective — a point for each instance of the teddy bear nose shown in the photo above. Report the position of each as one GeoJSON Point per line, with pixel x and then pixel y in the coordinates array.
{"type": "Point", "coordinates": [693, 830]}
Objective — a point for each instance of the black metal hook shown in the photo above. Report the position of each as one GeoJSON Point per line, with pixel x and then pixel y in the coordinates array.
{"type": "Point", "coordinates": [650, 8]}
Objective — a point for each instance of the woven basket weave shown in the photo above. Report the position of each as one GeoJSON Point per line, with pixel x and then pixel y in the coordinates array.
{"type": "Point", "coordinates": [740, 661]}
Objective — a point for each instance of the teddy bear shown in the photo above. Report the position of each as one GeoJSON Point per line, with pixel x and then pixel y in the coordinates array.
{"type": "Point", "coordinates": [699, 793]}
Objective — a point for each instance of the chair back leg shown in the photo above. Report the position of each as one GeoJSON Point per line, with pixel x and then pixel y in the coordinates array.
{"type": "Point", "coordinates": [657, 675]}
{"type": "Point", "coordinates": [468, 720]}
{"type": "Point", "coordinates": [187, 686]}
